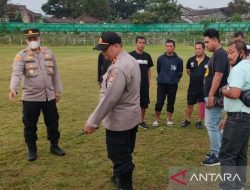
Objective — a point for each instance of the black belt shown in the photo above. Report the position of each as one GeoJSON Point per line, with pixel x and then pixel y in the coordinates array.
{"type": "Point", "coordinates": [238, 114]}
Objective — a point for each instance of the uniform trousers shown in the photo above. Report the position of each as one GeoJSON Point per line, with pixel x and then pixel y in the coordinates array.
{"type": "Point", "coordinates": [31, 113]}
{"type": "Point", "coordinates": [120, 146]}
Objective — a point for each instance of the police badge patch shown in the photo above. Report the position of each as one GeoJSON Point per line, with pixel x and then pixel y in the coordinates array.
{"type": "Point", "coordinates": [112, 76]}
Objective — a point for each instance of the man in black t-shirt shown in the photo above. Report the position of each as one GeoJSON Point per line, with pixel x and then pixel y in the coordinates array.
{"type": "Point", "coordinates": [145, 62]}
{"type": "Point", "coordinates": [215, 77]}
{"type": "Point", "coordinates": [196, 67]}
{"type": "Point", "coordinates": [102, 67]}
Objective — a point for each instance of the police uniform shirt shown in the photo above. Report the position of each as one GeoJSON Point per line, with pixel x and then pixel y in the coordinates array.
{"type": "Point", "coordinates": [119, 103]}
{"type": "Point", "coordinates": [39, 73]}
{"type": "Point", "coordinates": [145, 62]}
{"type": "Point", "coordinates": [197, 71]}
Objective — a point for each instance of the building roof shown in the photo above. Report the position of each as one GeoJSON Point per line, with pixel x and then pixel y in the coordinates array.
{"type": "Point", "coordinates": [54, 19]}
{"type": "Point", "coordinates": [193, 12]}
{"type": "Point", "coordinates": [87, 19]}
{"type": "Point", "coordinates": [13, 7]}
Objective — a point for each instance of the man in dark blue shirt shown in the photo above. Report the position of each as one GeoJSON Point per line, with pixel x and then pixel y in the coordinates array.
{"type": "Point", "coordinates": [169, 69]}
{"type": "Point", "coordinates": [196, 67]}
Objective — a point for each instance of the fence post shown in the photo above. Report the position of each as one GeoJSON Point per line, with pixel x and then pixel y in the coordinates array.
{"type": "Point", "coordinates": [10, 40]}
{"type": "Point", "coordinates": [21, 41]}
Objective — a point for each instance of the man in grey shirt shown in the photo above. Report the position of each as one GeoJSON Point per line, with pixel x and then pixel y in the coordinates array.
{"type": "Point", "coordinates": [41, 90]}
{"type": "Point", "coordinates": [118, 107]}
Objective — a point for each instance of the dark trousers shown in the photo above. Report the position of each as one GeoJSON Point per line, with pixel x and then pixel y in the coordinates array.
{"type": "Point", "coordinates": [31, 112]}
{"type": "Point", "coordinates": [120, 146]}
{"type": "Point", "coordinates": [163, 91]}
{"type": "Point", "coordinates": [233, 152]}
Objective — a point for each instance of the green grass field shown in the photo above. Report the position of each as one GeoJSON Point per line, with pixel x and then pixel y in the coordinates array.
{"type": "Point", "coordinates": [85, 165]}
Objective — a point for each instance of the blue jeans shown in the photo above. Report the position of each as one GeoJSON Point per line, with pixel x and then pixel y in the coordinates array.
{"type": "Point", "coordinates": [212, 122]}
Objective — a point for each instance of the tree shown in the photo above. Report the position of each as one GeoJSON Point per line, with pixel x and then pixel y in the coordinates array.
{"type": "Point", "coordinates": [161, 11]}
{"type": "Point", "coordinates": [167, 10]}
{"type": "Point", "coordinates": [125, 8]}
{"type": "Point", "coordinates": [97, 8]}
{"type": "Point", "coordinates": [238, 6]}
{"type": "Point", "coordinates": [236, 18]}
{"type": "Point", "coordinates": [3, 4]}
{"type": "Point", "coordinates": [63, 8]}
{"type": "Point", "coordinates": [144, 18]}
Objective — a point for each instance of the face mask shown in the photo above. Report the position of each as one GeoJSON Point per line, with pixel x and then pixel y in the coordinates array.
{"type": "Point", "coordinates": [34, 44]}
{"type": "Point", "coordinates": [237, 60]}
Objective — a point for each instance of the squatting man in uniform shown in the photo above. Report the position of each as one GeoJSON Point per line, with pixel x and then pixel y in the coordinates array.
{"type": "Point", "coordinates": [41, 88]}
{"type": "Point", "coordinates": [119, 108]}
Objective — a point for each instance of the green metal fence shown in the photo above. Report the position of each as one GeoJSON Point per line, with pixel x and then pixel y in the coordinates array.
{"type": "Point", "coordinates": [179, 27]}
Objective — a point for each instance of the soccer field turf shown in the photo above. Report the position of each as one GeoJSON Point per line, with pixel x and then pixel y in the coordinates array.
{"type": "Point", "coordinates": [85, 165]}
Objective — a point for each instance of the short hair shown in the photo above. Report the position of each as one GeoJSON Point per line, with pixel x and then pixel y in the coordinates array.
{"type": "Point", "coordinates": [239, 34]}
{"type": "Point", "coordinates": [212, 33]}
{"type": "Point", "coordinates": [140, 37]}
{"type": "Point", "coordinates": [200, 43]}
{"type": "Point", "coordinates": [170, 41]}
{"type": "Point", "coordinates": [240, 46]}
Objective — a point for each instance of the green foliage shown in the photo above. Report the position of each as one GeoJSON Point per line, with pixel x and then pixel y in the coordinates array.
{"type": "Point", "coordinates": [238, 6]}
{"type": "Point", "coordinates": [17, 17]}
{"type": "Point", "coordinates": [97, 8]}
{"type": "Point", "coordinates": [160, 11]}
{"type": "Point", "coordinates": [63, 8]}
{"type": "Point", "coordinates": [125, 8]}
{"type": "Point", "coordinates": [236, 18]}
{"type": "Point", "coordinates": [167, 10]}
{"type": "Point", "coordinates": [144, 17]}
{"type": "Point", "coordinates": [206, 22]}
{"type": "Point", "coordinates": [142, 11]}
{"type": "Point", "coordinates": [3, 4]}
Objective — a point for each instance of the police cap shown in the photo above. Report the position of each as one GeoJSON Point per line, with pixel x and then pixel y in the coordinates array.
{"type": "Point", "coordinates": [31, 32]}
{"type": "Point", "coordinates": [107, 39]}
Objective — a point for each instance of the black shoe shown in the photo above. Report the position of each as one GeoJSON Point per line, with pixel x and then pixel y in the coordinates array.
{"type": "Point", "coordinates": [126, 187]}
{"type": "Point", "coordinates": [208, 155]}
{"type": "Point", "coordinates": [56, 150]}
{"type": "Point", "coordinates": [31, 155]}
{"type": "Point", "coordinates": [186, 123]}
{"type": "Point", "coordinates": [211, 161]}
{"type": "Point", "coordinates": [143, 125]}
{"type": "Point", "coordinates": [116, 181]}
{"type": "Point", "coordinates": [198, 125]}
